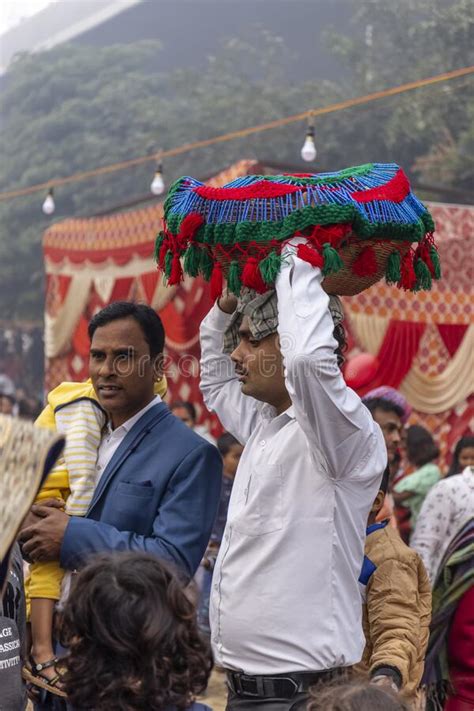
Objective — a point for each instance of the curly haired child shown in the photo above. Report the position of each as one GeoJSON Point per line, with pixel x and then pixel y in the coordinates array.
{"type": "Point", "coordinates": [132, 638]}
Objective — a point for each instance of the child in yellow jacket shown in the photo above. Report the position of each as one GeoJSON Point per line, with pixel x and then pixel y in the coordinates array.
{"type": "Point", "coordinates": [396, 606]}
{"type": "Point", "coordinates": [73, 410]}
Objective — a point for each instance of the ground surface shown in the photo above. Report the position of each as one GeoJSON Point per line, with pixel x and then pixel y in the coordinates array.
{"type": "Point", "coordinates": [215, 696]}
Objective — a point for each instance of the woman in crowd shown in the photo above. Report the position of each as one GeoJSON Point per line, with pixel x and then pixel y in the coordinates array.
{"type": "Point", "coordinates": [444, 537]}
{"type": "Point", "coordinates": [132, 638]}
{"type": "Point", "coordinates": [463, 455]}
{"type": "Point", "coordinates": [421, 453]}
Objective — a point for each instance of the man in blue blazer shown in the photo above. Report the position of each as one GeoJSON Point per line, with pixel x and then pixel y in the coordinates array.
{"type": "Point", "coordinates": [158, 483]}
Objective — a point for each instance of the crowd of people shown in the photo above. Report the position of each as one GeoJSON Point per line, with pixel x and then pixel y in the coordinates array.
{"type": "Point", "coordinates": [317, 555]}
{"type": "Point", "coordinates": [15, 401]}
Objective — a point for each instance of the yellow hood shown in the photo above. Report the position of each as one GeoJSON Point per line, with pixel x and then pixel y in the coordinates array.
{"type": "Point", "coordinates": [69, 392]}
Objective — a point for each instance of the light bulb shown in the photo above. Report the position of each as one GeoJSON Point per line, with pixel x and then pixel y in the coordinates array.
{"type": "Point", "coordinates": [308, 152]}
{"type": "Point", "coordinates": [48, 205]}
{"type": "Point", "coordinates": [157, 186]}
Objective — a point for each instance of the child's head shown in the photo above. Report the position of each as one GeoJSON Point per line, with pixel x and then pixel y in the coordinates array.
{"type": "Point", "coordinates": [132, 637]}
{"type": "Point", "coordinates": [379, 499]}
{"type": "Point", "coordinates": [185, 411]}
{"type": "Point", "coordinates": [231, 451]}
{"type": "Point", "coordinates": [421, 447]}
{"type": "Point", "coordinates": [355, 696]}
{"type": "Point", "coordinates": [463, 455]}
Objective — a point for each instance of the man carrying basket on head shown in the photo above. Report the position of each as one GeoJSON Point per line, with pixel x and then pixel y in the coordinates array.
{"type": "Point", "coordinates": [285, 605]}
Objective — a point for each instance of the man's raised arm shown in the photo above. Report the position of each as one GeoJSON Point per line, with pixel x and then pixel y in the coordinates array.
{"type": "Point", "coordinates": [332, 416]}
{"type": "Point", "coordinates": [220, 385]}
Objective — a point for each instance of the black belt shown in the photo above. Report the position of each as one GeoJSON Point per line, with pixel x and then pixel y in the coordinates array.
{"type": "Point", "coordinates": [279, 686]}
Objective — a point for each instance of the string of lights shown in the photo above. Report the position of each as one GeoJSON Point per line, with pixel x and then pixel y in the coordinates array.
{"type": "Point", "coordinates": [308, 151]}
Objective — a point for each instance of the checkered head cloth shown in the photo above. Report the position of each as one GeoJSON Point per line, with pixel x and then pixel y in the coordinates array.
{"type": "Point", "coordinates": [262, 312]}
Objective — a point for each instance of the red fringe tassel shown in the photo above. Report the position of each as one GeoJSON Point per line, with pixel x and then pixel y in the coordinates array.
{"type": "Point", "coordinates": [217, 282]}
{"type": "Point", "coordinates": [176, 275]}
{"type": "Point", "coordinates": [408, 276]}
{"type": "Point", "coordinates": [334, 234]}
{"type": "Point", "coordinates": [190, 226]}
{"type": "Point", "coordinates": [423, 252]}
{"type": "Point", "coordinates": [310, 255]}
{"type": "Point", "coordinates": [162, 255]}
{"type": "Point", "coordinates": [251, 276]}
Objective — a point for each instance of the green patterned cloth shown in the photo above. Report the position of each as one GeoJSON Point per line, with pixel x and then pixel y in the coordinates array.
{"type": "Point", "coordinates": [419, 483]}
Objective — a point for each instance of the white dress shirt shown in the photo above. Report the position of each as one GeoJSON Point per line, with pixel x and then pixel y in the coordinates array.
{"type": "Point", "coordinates": [448, 505]}
{"type": "Point", "coordinates": [111, 439]}
{"type": "Point", "coordinates": [285, 593]}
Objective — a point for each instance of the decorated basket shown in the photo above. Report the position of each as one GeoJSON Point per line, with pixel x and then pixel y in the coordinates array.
{"type": "Point", "coordinates": [360, 224]}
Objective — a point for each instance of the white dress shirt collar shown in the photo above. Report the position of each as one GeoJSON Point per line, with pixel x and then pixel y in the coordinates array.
{"type": "Point", "coordinates": [268, 412]}
{"type": "Point", "coordinates": [112, 439]}
{"type": "Point", "coordinates": [128, 424]}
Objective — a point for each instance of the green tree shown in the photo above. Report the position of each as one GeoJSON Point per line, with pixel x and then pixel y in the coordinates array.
{"type": "Point", "coordinates": [74, 108]}
{"type": "Point", "coordinates": [428, 130]}
{"type": "Point", "coordinates": [71, 109]}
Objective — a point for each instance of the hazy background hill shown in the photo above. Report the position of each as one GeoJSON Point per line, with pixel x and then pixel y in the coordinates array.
{"type": "Point", "coordinates": [182, 71]}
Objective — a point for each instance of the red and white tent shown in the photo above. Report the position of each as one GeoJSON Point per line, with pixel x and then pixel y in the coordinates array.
{"type": "Point", "coordinates": [423, 342]}
{"type": "Point", "coordinates": [91, 262]}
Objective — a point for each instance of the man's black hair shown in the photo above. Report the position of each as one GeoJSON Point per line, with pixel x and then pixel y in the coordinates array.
{"type": "Point", "coordinates": [381, 403]}
{"type": "Point", "coordinates": [385, 477]}
{"type": "Point", "coordinates": [144, 315]}
{"type": "Point", "coordinates": [225, 442]}
{"type": "Point", "coordinates": [339, 334]}
{"type": "Point", "coordinates": [188, 406]}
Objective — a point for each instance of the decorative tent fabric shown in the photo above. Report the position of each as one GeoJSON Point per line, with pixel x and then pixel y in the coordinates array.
{"type": "Point", "coordinates": [90, 262]}
{"type": "Point", "coordinates": [425, 342]}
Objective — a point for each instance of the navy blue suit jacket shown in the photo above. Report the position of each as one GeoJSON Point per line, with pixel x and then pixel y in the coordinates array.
{"type": "Point", "coordinates": [158, 494]}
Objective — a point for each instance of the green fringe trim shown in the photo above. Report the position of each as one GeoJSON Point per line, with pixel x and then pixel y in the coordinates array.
{"type": "Point", "coordinates": [233, 278]}
{"type": "Point", "coordinates": [192, 260]}
{"type": "Point", "coordinates": [243, 232]}
{"type": "Point", "coordinates": [332, 261]}
{"type": "Point", "coordinates": [436, 263]}
{"type": "Point", "coordinates": [393, 271]}
{"type": "Point", "coordinates": [158, 242]}
{"type": "Point", "coordinates": [423, 276]}
{"type": "Point", "coordinates": [270, 267]}
{"type": "Point", "coordinates": [206, 264]}
{"type": "Point", "coordinates": [168, 260]}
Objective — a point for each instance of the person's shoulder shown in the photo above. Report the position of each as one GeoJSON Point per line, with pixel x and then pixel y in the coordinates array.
{"type": "Point", "coordinates": [198, 706]}
{"type": "Point", "coordinates": [189, 439]}
{"type": "Point", "coordinates": [455, 481]}
{"type": "Point", "coordinates": [68, 392]}
{"type": "Point", "coordinates": [385, 545]}
{"type": "Point", "coordinates": [430, 470]}
{"type": "Point", "coordinates": [62, 396]}
{"type": "Point", "coordinates": [203, 432]}
{"type": "Point", "coordinates": [194, 706]}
